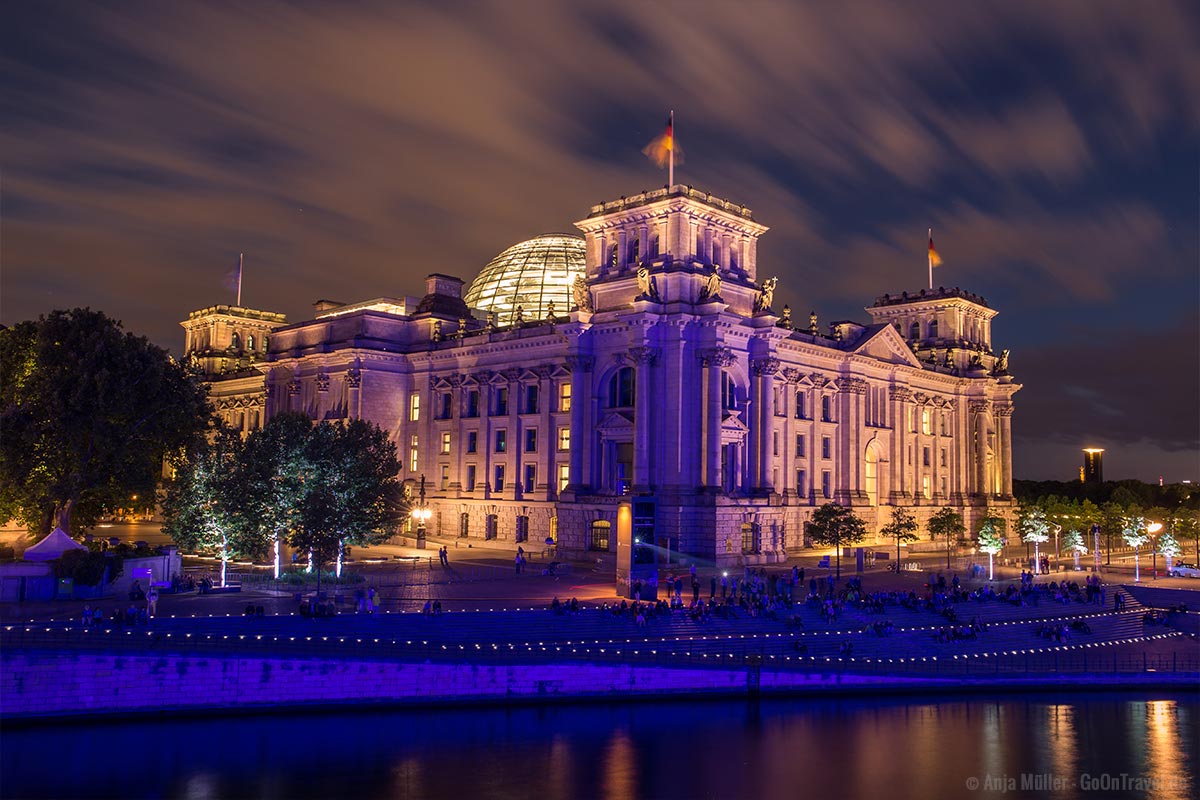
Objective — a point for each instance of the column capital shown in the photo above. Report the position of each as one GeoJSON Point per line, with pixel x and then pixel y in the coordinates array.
{"type": "Point", "coordinates": [1004, 411]}
{"type": "Point", "coordinates": [543, 371]}
{"type": "Point", "coordinates": [580, 363]}
{"type": "Point", "coordinates": [642, 355]}
{"type": "Point", "coordinates": [979, 406]}
{"type": "Point", "coordinates": [512, 374]}
{"type": "Point", "coordinates": [853, 385]}
{"type": "Point", "coordinates": [717, 357]}
{"type": "Point", "coordinates": [766, 366]}
{"type": "Point", "coordinates": [792, 375]}
{"type": "Point", "coordinates": [901, 393]}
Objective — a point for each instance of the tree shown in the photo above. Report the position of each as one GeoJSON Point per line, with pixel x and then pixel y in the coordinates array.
{"type": "Point", "coordinates": [350, 487]}
{"type": "Point", "coordinates": [1034, 528]}
{"type": "Point", "coordinates": [947, 524]}
{"type": "Point", "coordinates": [203, 508]}
{"type": "Point", "coordinates": [1112, 520]}
{"type": "Point", "coordinates": [835, 526]}
{"type": "Point", "coordinates": [902, 528]}
{"type": "Point", "coordinates": [1169, 547]}
{"type": "Point", "coordinates": [275, 463]}
{"type": "Point", "coordinates": [88, 412]}
{"type": "Point", "coordinates": [991, 540]}
{"type": "Point", "coordinates": [1133, 531]}
{"type": "Point", "coordinates": [1073, 541]}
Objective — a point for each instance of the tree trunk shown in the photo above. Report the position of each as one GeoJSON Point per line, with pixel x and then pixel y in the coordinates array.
{"type": "Point", "coordinates": [838, 557]}
{"type": "Point", "coordinates": [224, 558]}
{"type": "Point", "coordinates": [276, 555]}
{"type": "Point", "coordinates": [63, 514]}
{"type": "Point", "coordinates": [897, 555]}
{"type": "Point", "coordinates": [947, 552]}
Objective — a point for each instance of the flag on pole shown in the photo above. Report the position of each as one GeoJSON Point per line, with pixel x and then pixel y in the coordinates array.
{"type": "Point", "coordinates": [663, 151]}
{"type": "Point", "coordinates": [934, 259]}
{"type": "Point", "coordinates": [233, 280]}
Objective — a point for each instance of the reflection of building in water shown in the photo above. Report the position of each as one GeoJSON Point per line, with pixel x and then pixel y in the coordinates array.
{"type": "Point", "coordinates": [664, 372]}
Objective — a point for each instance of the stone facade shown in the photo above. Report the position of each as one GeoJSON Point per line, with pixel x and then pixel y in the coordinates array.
{"type": "Point", "coordinates": [672, 376]}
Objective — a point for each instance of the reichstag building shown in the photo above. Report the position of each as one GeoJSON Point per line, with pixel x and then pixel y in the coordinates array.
{"type": "Point", "coordinates": [645, 357]}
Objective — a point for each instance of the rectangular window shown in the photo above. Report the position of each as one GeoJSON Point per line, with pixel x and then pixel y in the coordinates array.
{"type": "Point", "coordinates": [472, 441]}
{"type": "Point", "coordinates": [800, 445]}
{"type": "Point", "coordinates": [470, 477]}
{"type": "Point", "coordinates": [775, 443]}
{"type": "Point", "coordinates": [531, 399]}
{"type": "Point", "coordinates": [598, 540]}
{"type": "Point", "coordinates": [445, 444]}
{"type": "Point", "coordinates": [925, 486]}
{"type": "Point", "coordinates": [564, 397]}
{"type": "Point", "coordinates": [800, 405]}
{"type": "Point", "coordinates": [501, 408]}
{"type": "Point", "coordinates": [826, 412]}
{"type": "Point", "coordinates": [943, 487]}
{"type": "Point", "coordinates": [530, 477]}
{"type": "Point", "coordinates": [414, 407]}
{"type": "Point", "coordinates": [531, 440]}
{"type": "Point", "coordinates": [522, 528]}
{"type": "Point", "coordinates": [444, 405]}
{"type": "Point", "coordinates": [413, 455]}
{"type": "Point", "coordinates": [826, 447]}
{"type": "Point", "coordinates": [749, 537]}
{"type": "Point", "coordinates": [473, 403]}
{"type": "Point", "coordinates": [564, 438]}
{"type": "Point", "coordinates": [945, 430]}
{"type": "Point", "coordinates": [501, 441]}
{"type": "Point", "coordinates": [444, 480]}
{"type": "Point", "coordinates": [943, 456]}
{"type": "Point", "coordinates": [926, 427]}
{"type": "Point", "coordinates": [564, 476]}
{"type": "Point", "coordinates": [801, 482]}
{"type": "Point", "coordinates": [498, 483]}
{"type": "Point", "coordinates": [826, 478]}
{"type": "Point", "coordinates": [464, 525]}
{"type": "Point", "coordinates": [925, 456]}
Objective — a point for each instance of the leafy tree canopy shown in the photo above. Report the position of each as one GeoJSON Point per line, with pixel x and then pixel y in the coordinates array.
{"type": "Point", "coordinates": [88, 410]}
{"type": "Point", "coordinates": [836, 526]}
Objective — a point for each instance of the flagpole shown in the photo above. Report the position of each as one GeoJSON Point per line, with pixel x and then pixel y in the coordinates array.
{"type": "Point", "coordinates": [239, 297]}
{"type": "Point", "coordinates": [671, 169]}
{"type": "Point", "coordinates": [929, 255]}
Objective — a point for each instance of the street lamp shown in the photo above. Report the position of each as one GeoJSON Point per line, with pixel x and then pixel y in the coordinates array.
{"type": "Point", "coordinates": [1153, 528]}
{"type": "Point", "coordinates": [421, 515]}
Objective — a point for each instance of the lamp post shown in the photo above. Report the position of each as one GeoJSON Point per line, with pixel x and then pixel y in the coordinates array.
{"type": "Point", "coordinates": [1153, 528]}
{"type": "Point", "coordinates": [421, 515]}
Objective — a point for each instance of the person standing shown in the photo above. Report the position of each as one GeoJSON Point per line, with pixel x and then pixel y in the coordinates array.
{"type": "Point", "coordinates": [152, 601]}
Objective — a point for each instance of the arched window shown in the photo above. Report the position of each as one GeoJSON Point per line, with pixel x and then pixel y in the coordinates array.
{"type": "Point", "coordinates": [751, 537]}
{"type": "Point", "coordinates": [933, 330]}
{"type": "Point", "coordinates": [621, 388]}
{"type": "Point", "coordinates": [914, 331]}
{"type": "Point", "coordinates": [235, 343]}
{"type": "Point", "coordinates": [635, 251]}
{"type": "Point", "coordinates": [614, 257]}
{"type": "Point", "coordinates": [871, 475]}
{"type": "Point", "coordinates": [250, 342]}
{"type": "Point", "coordinates": [598, 540]}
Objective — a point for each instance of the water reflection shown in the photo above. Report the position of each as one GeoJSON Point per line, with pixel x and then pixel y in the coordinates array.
{"type": "Point", "coordinates": [837, 748]}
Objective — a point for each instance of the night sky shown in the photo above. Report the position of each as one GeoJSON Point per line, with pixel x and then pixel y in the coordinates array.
{"type": "Point", "coordinates": [350, 149]}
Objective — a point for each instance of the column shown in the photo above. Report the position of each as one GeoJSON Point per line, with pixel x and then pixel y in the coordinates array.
{"type": "Point", "coordinates": [1004, 428]}
{"type": "Point", "coordinates": [764, 373]}
{"type": "Point", "coordinates": [979, 410]}
{"type": "Point", "coordinates": [901, 397]}
{"type": "Point", "coordinates": [514, 444]}
{"type": "Point", "coordinates": [714, 360]}
{"type": "Point", "coordinates": [547, 435]}
{"type": "Point", "coordinates": [579, 366]}
{"type": "Point", "coordinates": [643, 359]}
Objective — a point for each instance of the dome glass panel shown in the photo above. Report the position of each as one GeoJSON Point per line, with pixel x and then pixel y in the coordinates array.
{"type": "Point", "coordinates": [531, 274]}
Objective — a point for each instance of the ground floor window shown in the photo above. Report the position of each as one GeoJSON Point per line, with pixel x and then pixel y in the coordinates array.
{"type": "Point", "coordinates": [553, 529]}
{"type": "Point", "coordinates": [751, 537]}
{"type": "Point", "coordinates": [522, 529]}
{"type": "Point", "coordinates": [492, 527]}
{"type": "Point", "coordinates": [599, 538]}
{"type": "Point", "coordinates": [464, 525]}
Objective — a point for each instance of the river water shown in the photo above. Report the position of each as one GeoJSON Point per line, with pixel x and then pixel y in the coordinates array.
{"type": "Point", "coordinates": [1083, 745]}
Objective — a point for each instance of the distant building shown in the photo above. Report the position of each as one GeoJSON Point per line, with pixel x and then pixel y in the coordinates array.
{"type": "Point", "coordinates": [648, 358]}
{"type": "Point", "coordinates": [1093, 465]}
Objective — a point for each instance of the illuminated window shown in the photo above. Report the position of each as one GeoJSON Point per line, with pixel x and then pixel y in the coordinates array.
{"type": "Point", "coordinates": [925, 490]}
{"type": "Point", "coordinates": [531, 274]}
{"type": "Point", "coordinates": [553, 534]}
{"type": "Point", "coordinates": [444, 481]}
{"type": "Point", "coordinates": [598, 540]}
{"type": "Point", "coordinates": [564, 478]}
{"type": "Point", "coordinates": [414, 407]}
{"type": "Point", "coordinates": [413, 452]}
{"type": "Point", "coordinates": [564, 397]}
{"type": "Point", "coordinates": [445, 443]}
{"type": "Point", "coordinates": [564, 438]}
{"type": "Point", "coordinates": [751, 535]}
{"type": "Point", "coordinates": [926, 426]}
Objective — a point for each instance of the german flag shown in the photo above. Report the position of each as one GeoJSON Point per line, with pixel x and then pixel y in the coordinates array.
{"type": "Point", "coordinates": [934, 259]}
{"type": "Point", "coordinates": [663, 147]}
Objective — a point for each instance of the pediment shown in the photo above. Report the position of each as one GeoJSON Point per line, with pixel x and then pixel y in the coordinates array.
{"type": "Point", "coordinates": [616, 421]}
{"type": "Point", "coordinates": [882, 343]}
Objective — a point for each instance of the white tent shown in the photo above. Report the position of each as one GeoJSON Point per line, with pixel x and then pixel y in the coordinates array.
{"type": "Point", "coordinates": [52, 547]}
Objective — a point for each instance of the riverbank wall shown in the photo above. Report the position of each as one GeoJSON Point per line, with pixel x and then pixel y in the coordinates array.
{"type": "Point", "coordinates": [49, 684]}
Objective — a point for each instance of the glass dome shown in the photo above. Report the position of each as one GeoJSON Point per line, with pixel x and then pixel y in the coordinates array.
{"type": "Point", "coordinates": [531, 275]}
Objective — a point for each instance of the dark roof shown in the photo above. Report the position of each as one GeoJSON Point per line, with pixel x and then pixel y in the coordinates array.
{"type": "Point", "coordinates": [928, 294]}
